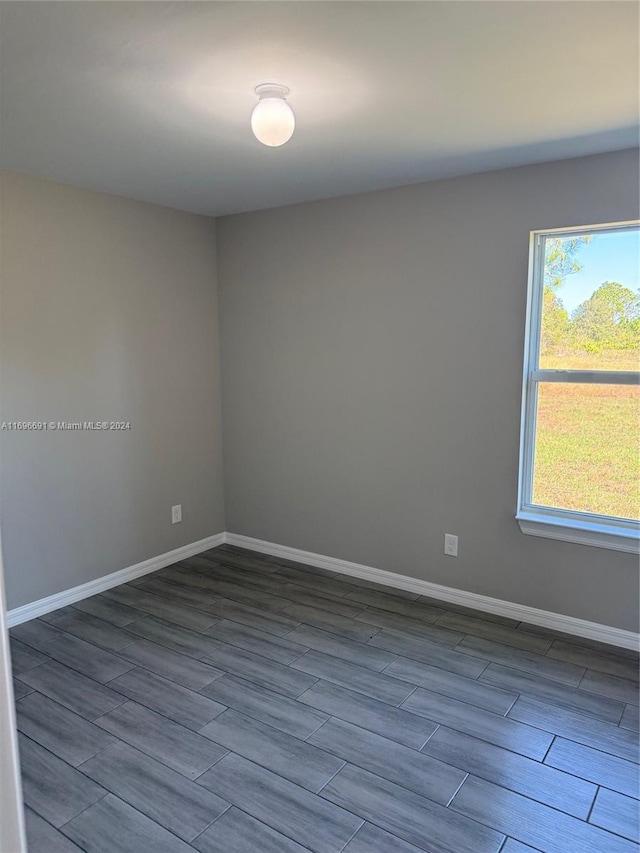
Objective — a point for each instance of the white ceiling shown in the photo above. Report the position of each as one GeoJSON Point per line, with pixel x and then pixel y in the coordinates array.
{"type": "Point", "coordinates": [152, 100]}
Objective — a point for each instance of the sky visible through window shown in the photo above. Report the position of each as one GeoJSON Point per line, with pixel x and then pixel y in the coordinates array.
{"type": "Point", "coordinates": [607, 257]}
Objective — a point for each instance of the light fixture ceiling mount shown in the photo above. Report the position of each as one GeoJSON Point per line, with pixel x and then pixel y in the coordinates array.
{"type": "Point", "coordinates": [272, 119]}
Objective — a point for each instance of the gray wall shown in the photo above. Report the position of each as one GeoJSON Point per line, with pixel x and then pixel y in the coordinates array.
{"type": "Point", "coordinates": [372, 360]}
{"type": "Point", "coordinates": [108, 313]}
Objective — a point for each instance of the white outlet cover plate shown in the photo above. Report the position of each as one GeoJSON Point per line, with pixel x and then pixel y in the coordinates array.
{"type": "Point", "coordinates": [450, 545]}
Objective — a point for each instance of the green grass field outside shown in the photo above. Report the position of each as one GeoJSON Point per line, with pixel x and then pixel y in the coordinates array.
{"type": "Point", "coordinates": [587, 454]}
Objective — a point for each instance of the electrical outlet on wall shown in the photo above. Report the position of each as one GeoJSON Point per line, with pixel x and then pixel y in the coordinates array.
{"type": "Point", "coordinates": [450, 545]}
{"type": "Point", "coordinates": [176, 514]}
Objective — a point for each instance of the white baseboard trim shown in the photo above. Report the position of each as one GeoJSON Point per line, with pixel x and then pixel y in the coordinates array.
{"type": "Point", "coordinates": [85, 590]}
{"type": "Point", "coordinates": [544, 618]}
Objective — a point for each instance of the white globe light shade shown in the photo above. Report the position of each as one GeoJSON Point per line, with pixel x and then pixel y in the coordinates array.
{"type": "Point", "coordinates": [273, 121]}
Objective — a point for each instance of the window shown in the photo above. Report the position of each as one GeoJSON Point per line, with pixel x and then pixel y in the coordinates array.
{"type": "Point", "coordinates": [579, 445]}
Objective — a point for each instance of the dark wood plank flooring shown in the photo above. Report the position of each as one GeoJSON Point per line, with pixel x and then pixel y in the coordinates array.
{"type": "Point", "coordinates": [235, 703]}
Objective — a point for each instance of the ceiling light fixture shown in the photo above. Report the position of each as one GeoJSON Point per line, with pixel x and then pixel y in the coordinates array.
{"type": "Point", "coordinates": [272, 119]}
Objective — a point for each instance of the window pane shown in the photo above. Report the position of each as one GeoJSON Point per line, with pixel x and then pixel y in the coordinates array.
{"type": "Point", "coordinates": [591, 302]}
{"type": "Point", "coordinates": [587, 453]}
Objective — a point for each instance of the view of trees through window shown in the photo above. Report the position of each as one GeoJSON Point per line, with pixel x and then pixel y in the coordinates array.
{"type": "Point", "coordinates": [587, 450]}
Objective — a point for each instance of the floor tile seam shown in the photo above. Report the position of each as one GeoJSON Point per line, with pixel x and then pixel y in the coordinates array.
{"type": "Point", "coordinates": [415, 687]}
{"type": "Point", "coordinates": [70, 766]}
{"type": "Point", "coordinates": [142, 614]}
{"type": "Point", "coordinates": [418, 637]}
{"type": "Point", "coordinates": [84, 719]}
{"type": "Point", "coordinates": [86, 674]}
{"type": "Point", "coordinates": [204, 609]}
{"type": "Point", "coordinates": [596, 785]}
{"type": "Point", "coordinates": [472, 707]}
{"type": "Point", "coordinates": [223, 643]}
{"type": "Point", "coordinates": [544, 757]}
{"type": "Point", "coordinates": [587, 693]}
{"type": "Point", "coordinates": [572, 739]}
{"type": "Point", "coordinates": [73, 636]}
{"type": "Point", "coordinates": [247, 680]}
{"type": "Point", "coordinates": [157, 595]}
{"type": "Point", "coordinates": [60, 828]}
{"type": "Point", "coordinates": [490, 624]}
{"type": "Point", "coordinates": [598, 789]}
{"type": "Point", "coordinates": [595, 749]}
{"type": "Point", "coordinates": [202, 632]}
{"type": "Point", "coordinates": [327, 630]}
{"type": "Point", "coordinates": [166, 619]}
{"type": "Point", "coordinates": [355, 689]}
{"type": "Point", "coordinates": [109, 793]}
{"type": "Point", "coordinates": [374, 820]}
{"type": "Point", "coordinates": [337, 716]}
{"type": "Point", "coordinates": [611, 831]}
{"type": "Point", "coordinates": [218, 564]}
{"type": "Point", "coordinates": [506, 713]}
{"type": "Point", "coordinates": [606, 695]}
{"type": "Point", "coordinates": [318, 606]}
{"type": "Point", "coordinates": [67, 822]}
{"type": "Point", "coordinates": [344, 660]}
{"type": "Point", "coordinates": [137, 638]}
{"type": "Point", "coordinates": [259, 762]}
{"type": "Point", "coordinates": [276, 583]}
{"type": "Point", "coordinates": [402, 635]}
{"type": "Point", "coordinates": [596, 670]}
{"type": "Point", "coordinates": [541, 764]}
{"type": "Point", "coordinates": [159, 714]}
{"type": "Point", "coordinates": [416, 618]}
{"type": "Point", "coordinates": [318, 727]}
{"type": "Point", "coordinates": [209, 825]}
{"type": "Point", "coordinates": [353, 834]}
{"type": "Point", "coordinates": [262, 822]}
{"type": "Point", "coordinates": [354, 763]}
{"type": "Point", "coordinates": [287, 781]}
{"type": "Point", "coordinates": [599, 647]}
{"type": "Point", "coordinates": [451, 725]}
{"type": "Point", "coordinates": [530, 697]}
{"type": "Point", "coordinates": [249, 716]}
{"type": "Point", "coordinates": [451, 798]}
{"type": "Point", "coordinates": [346, 579]}
{"type": "Point", "coordinates": [167, 677]}
{"type": "Point", "coordinates": [541, 655]}
{"type": "Point", "coordinates": [437, 728]}
{"type": "Point", "coordinates": [264, 630]}
{"type": "Point", "coordinates": [166, 766]}
{"type": "Point", "coordinates": [251, 569]}
{"type": "Point", "coordinates": [31, 668]}
{"type": "Point", "coordinates": [101, 750]}
{"type": "Point", "coordinates": [312, 587]}
{"type": "Point", "coordinates": [551, 677]}
{"type": "Point", "coordinates": [536, 803]}
{"type": "Point", "coordinates": [105, 623]}
{"type": "Point", "coordinates": [441, 693]}
{"type": "Point", "coordinates": [158, 642]}
{"type": "Point", "coordinates": [573, 640]}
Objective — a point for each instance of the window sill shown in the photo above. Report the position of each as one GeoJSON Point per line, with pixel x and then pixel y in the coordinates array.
{"type": "Point", "coordinates": [603, 533]}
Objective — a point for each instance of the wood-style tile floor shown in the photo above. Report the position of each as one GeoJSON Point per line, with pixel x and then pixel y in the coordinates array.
{"type": "Point", "coordinates": [234, 703]}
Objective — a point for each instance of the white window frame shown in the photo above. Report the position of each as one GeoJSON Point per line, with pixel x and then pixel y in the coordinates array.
{"type": "Point", "coordinates": [602, 531]}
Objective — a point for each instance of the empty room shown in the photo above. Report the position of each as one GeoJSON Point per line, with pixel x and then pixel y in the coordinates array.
{"type": "Point", "coordinates": [319, 426]}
